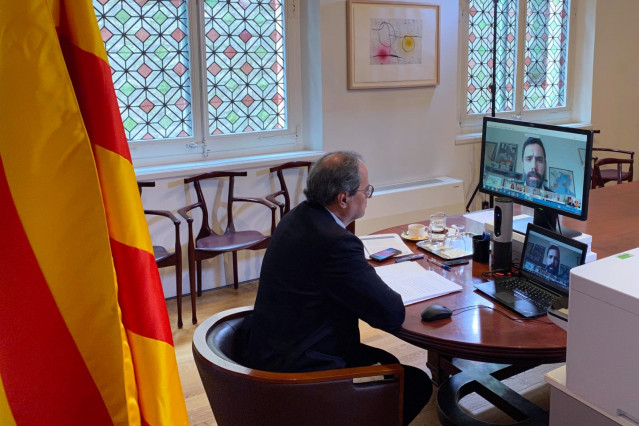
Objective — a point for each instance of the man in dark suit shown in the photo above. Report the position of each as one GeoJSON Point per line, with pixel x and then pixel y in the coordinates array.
{"type": "Point", "coordinates": [316, 284]}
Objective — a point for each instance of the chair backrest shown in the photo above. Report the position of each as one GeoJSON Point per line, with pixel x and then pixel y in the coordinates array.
{"type": "Point", "coordinates": [602, 175]}
{"type": "Point", "coordinates": [242, 396]}
{"type": "Point", "coordinates": [205, 228]}
{"type": "Point", "coordinates": [274, 198]}
{"type": "Point", "coordinates": [163, 257]}
{"type": "Point", "coordinates": [145, 185]}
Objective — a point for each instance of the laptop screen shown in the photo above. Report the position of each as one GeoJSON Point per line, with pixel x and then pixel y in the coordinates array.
{"type": "Point", "coordinates": [550, 256]}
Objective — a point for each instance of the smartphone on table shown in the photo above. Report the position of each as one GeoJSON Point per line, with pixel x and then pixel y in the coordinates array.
{"type": "Point", "coordinates": [380, 256]}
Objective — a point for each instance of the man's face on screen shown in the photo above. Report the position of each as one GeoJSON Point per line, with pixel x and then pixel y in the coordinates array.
{"type": "Point", "coordinates": [534, 165]}
{"type": "Point", "coordinates": [552, 261]}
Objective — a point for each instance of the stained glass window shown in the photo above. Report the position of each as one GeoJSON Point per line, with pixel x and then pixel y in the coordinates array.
{"type": "Point", "coordinates": [480, 57]}
{"type": "Point", "coordinates": [147, 46]}
{"type": "Point", "coordinates": [243, 73]}
{"type": "Point", "coordinates": [544, 58]}
{"type": "Point", "coordinates": [546, 54]}
{"type": "Point", "coordinates": [245, 65]}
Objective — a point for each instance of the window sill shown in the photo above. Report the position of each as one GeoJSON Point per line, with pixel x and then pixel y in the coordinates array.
{"type": "Point", "coordinates": [251, 162]}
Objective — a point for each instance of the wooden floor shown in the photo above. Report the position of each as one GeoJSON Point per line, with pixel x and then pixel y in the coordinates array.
{"type": "Point", "coordinates": [530, 383]}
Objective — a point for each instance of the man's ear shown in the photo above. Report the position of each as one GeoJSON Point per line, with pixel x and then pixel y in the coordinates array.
{"type": "Point", "coordinates": [342, 199]}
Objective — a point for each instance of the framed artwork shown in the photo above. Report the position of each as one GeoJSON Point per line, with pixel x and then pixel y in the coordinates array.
{"type": "Point", "coordinates": [537, 254]}
{"type": "Point", "coordinates": [493, 180]}
{"type": "Point", "coordinates": [506, 157]}
{"type": "Point", "coordinates": [561, 181]}
{"type": "Point", "coordinates": [490, 151]}
{"type": "Point", "coordinates": [392, 44]}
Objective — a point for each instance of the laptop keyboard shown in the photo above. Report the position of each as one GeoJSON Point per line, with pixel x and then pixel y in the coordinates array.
{"type": "Point", "coordinates": [529, 291]}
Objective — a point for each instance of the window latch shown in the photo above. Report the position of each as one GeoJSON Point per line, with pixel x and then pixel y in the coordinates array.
{"type": "Point", "coordinates": [199, 146]}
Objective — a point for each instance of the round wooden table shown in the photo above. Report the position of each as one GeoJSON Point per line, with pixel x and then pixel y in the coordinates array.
{"type": "Point", "coordinates": [479, 330]}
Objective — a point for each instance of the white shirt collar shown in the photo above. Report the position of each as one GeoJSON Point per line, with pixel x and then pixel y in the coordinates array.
{"type": "Point", "coordinates": [339, 222]}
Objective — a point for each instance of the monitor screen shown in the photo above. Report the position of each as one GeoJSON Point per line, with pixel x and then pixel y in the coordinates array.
{"type": "Point", "coordinates": [551, 259]}
{"type": "Point", "coordinates": [541, 166]}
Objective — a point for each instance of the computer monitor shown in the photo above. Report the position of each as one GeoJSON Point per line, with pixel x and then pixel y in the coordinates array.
{"type": "Point", "coordinates": [538, 165]}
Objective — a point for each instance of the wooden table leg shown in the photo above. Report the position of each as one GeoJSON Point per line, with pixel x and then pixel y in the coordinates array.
{"type": "Point", "coordinates": [441, 367]}
{"type": "Point", "coordinates": [485, 380]}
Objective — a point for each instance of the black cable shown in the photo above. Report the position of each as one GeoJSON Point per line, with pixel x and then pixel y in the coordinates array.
{"type": "Point", "coordinates": [471, 307]}
{"type": "Point", "coordinates": [493, 95]}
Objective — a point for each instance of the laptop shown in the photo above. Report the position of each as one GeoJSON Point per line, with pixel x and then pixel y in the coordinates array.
{"type": "Point", "coordinates": [546, 261]}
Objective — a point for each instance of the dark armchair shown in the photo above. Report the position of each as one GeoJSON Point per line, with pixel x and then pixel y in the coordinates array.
{"type": "Point", "coordinates": [165, 258]}
{"type": "Point", "coordinates": [208, 244]}
{"type": "Point", "coordinates": [242, 396]}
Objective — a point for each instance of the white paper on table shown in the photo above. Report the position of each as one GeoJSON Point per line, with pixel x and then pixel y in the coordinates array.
{"type": "Point", "coordinates": [379, 242]}
{"type": "Point", "coordinates": [481, 216]}
{"type": "Point", "coordinates": [414, 283]}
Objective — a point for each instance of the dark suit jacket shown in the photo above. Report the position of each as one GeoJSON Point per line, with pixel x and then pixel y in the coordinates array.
{"type": "Point", "coordinates": [315, 284]}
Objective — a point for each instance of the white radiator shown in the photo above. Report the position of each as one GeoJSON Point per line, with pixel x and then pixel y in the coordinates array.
{"type": "Point", "coordinates": [414, 202]}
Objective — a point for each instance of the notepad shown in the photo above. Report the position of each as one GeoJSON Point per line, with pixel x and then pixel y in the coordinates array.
{"type": "Point", "coordinates": [414, 283]}
{"type": "Point", "coordinates": [379, 242]}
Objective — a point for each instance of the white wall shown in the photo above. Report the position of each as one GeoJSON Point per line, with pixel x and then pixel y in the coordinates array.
{"type": "Point", "coordinates": [408, 135]}
{"type": "Point", "coordinates": [616, 74]}
{"type": "Point", "coordinates": [404, 134]}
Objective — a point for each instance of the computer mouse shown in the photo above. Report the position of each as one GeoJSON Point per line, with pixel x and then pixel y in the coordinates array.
{"type": "Point", "coordinates": [436, 312]}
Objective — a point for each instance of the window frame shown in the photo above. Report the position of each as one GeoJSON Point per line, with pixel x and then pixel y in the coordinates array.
{"type": "Point", "coordinates": [201, 147]}
{"type": "Point", "coordinates": [472, 123]}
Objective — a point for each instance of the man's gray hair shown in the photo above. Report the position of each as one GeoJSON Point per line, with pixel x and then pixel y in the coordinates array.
{"type": "Point", "coordinates": [335, 172]}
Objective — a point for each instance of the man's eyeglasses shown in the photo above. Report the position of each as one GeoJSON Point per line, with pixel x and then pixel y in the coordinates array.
{"type": "Point", "coordinates": [368, 191]}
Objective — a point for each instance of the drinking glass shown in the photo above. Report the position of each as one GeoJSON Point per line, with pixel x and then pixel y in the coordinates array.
{"type": "Point", "coordinates": [456, 233]}
{"type": "Point", "coordinates": [437, 228]}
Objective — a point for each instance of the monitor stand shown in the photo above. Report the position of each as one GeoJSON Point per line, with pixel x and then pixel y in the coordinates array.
{"type": "Point", "coordinates": [548, 219]}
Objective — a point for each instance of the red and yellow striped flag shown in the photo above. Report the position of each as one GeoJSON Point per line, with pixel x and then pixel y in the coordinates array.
{"type": "Point", "coordinates": [84, 333]}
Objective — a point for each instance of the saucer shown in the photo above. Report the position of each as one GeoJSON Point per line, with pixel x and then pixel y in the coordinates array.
{"type": "Point", "coordinates": [405, 236]}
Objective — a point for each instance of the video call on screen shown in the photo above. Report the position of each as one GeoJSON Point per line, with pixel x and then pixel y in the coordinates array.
{"type": "Point", "coordinates": [535, 259]}
{"type": "Point", "coordinates": [562, 183]}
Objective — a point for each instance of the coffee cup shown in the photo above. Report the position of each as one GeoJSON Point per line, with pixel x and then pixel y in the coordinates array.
{"type": "Point", "coordinates": [416, 230]}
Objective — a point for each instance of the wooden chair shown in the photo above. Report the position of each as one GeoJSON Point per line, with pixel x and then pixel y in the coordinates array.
{"type": "Point", "coordinates": [601, 176]}
{"type": "Point", "coordinates": [208, 244]}
{"type": "Point", "coordinates": [275, 197]}
{"type": "Point", "coordinates": [242, 396]}
{"type": "Point", "coordinates": [165, 258]}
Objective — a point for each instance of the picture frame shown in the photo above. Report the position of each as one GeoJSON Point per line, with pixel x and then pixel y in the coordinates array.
{"type": "Point", "coordinates": [561, 181]}
{"type": "Point", "coordinates": [496, 181]}
{"type": "Point", "coordinates": [506, 157]}
{"type": "Point", "coordinates": [392, 44]}
{"type": "Point", "coordinates": [491, 147]}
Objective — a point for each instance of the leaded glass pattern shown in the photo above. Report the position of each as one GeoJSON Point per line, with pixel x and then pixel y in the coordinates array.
{"type": "Point", "coordinates": [148, 51]}
{"type": "Point", "coordinates": [480, 57]}
{"type": "Point", "coordinates": [546, 54]}
{"type": "Point", "coordinates": [244, 65]}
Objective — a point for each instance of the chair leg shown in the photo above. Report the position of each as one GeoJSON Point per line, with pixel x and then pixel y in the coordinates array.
{"type": "Point", "coordinates": [192, 289]}
{"type": "Point", "coordinates": [178, 292]}
{"type": "Point", "coordinates": [235, 270]}
{"type": "Point", "coordinates": [199, 277]}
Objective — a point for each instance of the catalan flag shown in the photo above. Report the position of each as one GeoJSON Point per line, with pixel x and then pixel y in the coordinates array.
{"type": "Point", "coordinates": [84, 334]}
